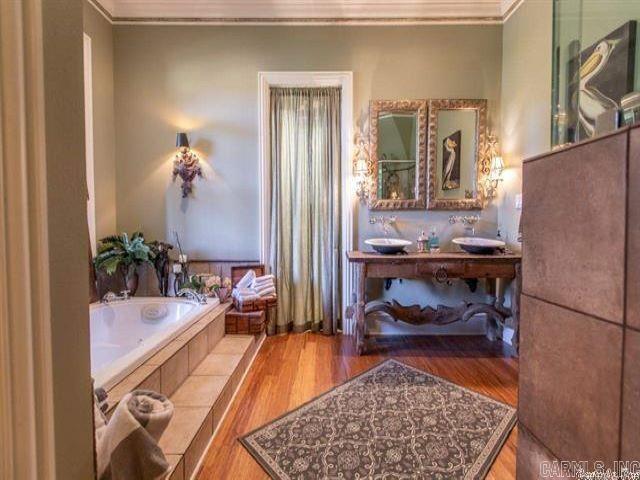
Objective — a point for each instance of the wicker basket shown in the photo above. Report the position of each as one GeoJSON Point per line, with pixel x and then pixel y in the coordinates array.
{"type": "Point", "coordinates": [256, 305]}
{"type": "Point", "coordinates": [250, 323]}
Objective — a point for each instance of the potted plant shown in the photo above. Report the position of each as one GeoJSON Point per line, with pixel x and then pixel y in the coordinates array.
{"type": "Point", "coordinates": [119, 253]}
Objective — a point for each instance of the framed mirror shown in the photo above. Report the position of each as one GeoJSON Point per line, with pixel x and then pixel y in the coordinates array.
{"type": "Point", "coordinates": [398, 145]}
{"type": "Point", "coordinates": [457, 136]}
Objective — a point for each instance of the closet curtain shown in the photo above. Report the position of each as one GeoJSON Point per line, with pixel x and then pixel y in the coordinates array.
{"type": "Point", "coordinates": [305, 207]}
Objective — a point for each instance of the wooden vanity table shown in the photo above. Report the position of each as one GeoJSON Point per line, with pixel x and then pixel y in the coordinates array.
{"type": "Point", "coordinates": [440, 267]}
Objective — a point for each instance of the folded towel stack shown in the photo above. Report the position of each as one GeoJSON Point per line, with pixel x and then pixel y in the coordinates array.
{"type": "Point", "coordinates": [127, 445]}
{"type": "Point", "coordinates": [251, 288]}
{"type": "Point", "coordinates": [264, 286]}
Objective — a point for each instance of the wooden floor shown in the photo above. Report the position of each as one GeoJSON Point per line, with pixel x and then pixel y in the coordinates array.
{"type": "Point", "coordinates": [293, 369]}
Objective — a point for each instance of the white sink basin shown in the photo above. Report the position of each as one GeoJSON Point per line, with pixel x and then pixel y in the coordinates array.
{"type": "Point", "coordinates": [388, 245]}
{"type": "Point", "coordinates": [478, 244]}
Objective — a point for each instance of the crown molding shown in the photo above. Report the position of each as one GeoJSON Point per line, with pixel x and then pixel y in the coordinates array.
{"type": "Point", "coordinates": [306, 12]}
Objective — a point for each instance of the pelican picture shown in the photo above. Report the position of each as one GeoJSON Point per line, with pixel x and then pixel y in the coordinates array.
{"type": "Point", "coordinates": [605, 76]}
{"type": "Point", "coordinates": [451, 161]}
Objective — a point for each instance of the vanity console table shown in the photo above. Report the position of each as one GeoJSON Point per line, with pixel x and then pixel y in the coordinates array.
{"type": "Point", "coordinates": [440, 267]}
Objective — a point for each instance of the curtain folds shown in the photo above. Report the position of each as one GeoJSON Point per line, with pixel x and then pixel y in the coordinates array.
{"type": "Point", "coordinates": [305, 207]}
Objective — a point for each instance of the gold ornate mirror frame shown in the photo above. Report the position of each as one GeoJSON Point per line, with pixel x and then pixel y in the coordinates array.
{"type": "Point", "coordinates": [482, 163]}
{"type": "Point", "coordinates": [407, 106]}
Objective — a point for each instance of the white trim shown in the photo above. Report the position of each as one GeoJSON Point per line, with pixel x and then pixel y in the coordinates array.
{"type": "Point", "coordinates": [88, 135]}
{"type": "Point", "coordinates": [287, 12]}
{"type": "Point", "coordinates": [509, 7]}
{"type": "Point", "coordinates": [344, 80]}
{"type": "Point", "coordinates": [26, 386]}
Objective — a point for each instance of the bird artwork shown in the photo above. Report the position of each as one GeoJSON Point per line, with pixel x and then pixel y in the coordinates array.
{"type": "Point", "coordinates": [451, 161]}
{"type": "Point", "coordinates": [605, 76]}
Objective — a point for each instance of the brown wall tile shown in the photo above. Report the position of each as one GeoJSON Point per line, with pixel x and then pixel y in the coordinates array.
{"type": "Point", "coordinates": [569, 388]}
{"type": "Point", "coordinates": [631, 397]}
{"type": "Point", "coordinates": [573, 227]}
{"type": "Point", "coordinates": [534, 461]}
{"type": "Point", "coordinates": [633, 247]}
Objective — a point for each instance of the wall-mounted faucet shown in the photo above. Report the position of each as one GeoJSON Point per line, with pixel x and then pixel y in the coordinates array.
{"type": "Point", "coordinates": [386, 222]}
{"type": "Point", "coordinates": [112, 297]}
{"type": "Point", "coordinates": [469, 222]}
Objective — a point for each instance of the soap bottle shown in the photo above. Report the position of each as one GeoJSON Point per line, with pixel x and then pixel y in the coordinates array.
{"type": "Point", "coordinates": [423, 242]}
{"type": "Point", "coordinates": [434, 242]}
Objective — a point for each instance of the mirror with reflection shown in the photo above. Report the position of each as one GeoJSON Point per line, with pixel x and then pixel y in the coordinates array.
{"type": "Point", "coordinates": [398, 142]}
{"type": "Point", "coordinates": [455, 144]}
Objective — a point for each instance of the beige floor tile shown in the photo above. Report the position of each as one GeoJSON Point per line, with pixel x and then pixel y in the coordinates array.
{"type": "Point", "coordinates": [234, 344]}
{"type": "Point", "coordinates": [174, 371]}
{"type": "Point", "coordinates": [129, 383]}
{"type": "Point", "coordinates": [218, 364]}
{"type": "Point", "coordinates": [166, 352]}
{"type": "Point", "coordinates": [198, 349]}
{"type": "Point", "coordinates": [182, 429]}
{"type": "Point", "coordinates": [199, 391]}
{"type": "Point", "coordinates": [197, 447]}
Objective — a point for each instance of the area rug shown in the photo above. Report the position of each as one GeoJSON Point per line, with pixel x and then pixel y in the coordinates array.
{"type": "Point", "coordinates": [391, 422]}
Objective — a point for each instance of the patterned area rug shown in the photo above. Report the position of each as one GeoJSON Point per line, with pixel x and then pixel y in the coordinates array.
{"type": "Point", "coordinates": [391, 422]}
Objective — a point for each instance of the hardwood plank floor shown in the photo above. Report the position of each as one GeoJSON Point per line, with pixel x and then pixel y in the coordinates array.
{"type": "Point", "coordinates": [292, 369]}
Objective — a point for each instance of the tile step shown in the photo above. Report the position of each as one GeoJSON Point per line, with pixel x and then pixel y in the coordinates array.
{"type": "Point", "coordinates": [201, 400]}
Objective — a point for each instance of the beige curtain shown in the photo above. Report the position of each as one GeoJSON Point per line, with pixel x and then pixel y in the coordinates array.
{"type": "Point", "coordinates": [305, 207]}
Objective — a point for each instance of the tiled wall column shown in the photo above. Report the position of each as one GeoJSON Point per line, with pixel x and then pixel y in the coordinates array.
{"type": "Point", "coordinates": [581, 297]}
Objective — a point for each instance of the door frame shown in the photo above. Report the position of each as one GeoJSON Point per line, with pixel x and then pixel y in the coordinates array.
{"type": "Point", "coordinates": [26, 382]}
{"type": "Point", "coordinates": [344, 80]}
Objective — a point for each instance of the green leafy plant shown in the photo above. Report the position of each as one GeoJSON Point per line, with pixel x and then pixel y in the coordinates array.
{"type": "Point", "coordinates": [121, 251]}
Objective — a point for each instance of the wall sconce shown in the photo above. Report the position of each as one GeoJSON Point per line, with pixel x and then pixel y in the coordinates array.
{"type": "Point", "coordinates": [362, 167]}
{"type": "Point", "coordinates": [185, 164]}
{"type": "Point", "coordinates": [495, 166]}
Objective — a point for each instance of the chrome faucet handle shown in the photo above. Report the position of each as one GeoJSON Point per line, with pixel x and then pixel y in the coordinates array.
{"type": "Point", "coordinates": [125, 294]}
{"type": "Point", "coordinates": [108, 297]}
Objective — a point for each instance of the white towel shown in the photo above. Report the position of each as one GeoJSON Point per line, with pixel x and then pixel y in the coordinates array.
{"type": "Point", "coordinates": [247, 279]}
{"type": "Point", "coordinates": [245, 294]}
{"type": "Point", "coordinates": [126, 446]}
{"type": "Point", "coordinates": [264, 278]}
{"type": "Point", "coordinates": [267, 291]}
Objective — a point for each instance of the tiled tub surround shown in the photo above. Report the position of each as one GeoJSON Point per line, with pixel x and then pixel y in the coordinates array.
{"type": "Point", "coordinates": [579, 382]}
{"type": "Point", "coordinates": [199, 370]}
{"type": "Point", "coordinates": [124, 334]}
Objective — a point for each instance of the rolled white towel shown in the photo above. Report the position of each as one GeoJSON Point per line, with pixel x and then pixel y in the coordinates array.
{"type": "Point", "coordinates": [126, 446]}
{"type": "Point", "coordinates": [247, 279]}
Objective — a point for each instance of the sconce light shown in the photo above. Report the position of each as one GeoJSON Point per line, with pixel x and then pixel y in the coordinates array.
{"type": "Point", "coordinates": [185, 164]}
{"type": "Point", "coordinates": [362, 167]}
{"type": "Point", "coordinates": [495, 167]}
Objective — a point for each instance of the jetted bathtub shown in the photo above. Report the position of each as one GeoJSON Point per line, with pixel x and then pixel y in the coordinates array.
{"type": "Point", "coordinates": [126, 333]}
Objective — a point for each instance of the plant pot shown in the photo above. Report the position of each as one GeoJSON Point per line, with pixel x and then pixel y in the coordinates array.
{"type": "Point", "coordinates": [223, 294]}
{"type": "Point", "coordinates": [132, 279]}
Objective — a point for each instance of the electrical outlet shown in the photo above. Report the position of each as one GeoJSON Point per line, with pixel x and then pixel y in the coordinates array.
{"type": "Point", "coordinates": [519, 201]}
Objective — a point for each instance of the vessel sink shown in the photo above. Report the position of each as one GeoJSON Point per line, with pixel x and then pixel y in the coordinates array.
{"type": "Point", "coordinates": [478, 245]}
{"type": "Point", "coordinates": [388, 245]}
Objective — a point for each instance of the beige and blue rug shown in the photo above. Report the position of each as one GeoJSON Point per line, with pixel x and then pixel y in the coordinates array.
{"type": "Point", "coordinates": [391, 422]}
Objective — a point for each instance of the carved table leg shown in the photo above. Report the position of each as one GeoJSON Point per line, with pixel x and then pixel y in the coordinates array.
{"type": "Point", "coordinates": [492, 325]}
{"type": "Point", "coordinates": [360, 304]}
{"type": "Point", "coordinates": [515, 307]}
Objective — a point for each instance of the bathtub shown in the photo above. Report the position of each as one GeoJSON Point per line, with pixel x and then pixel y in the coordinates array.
{"type": "Point", "coordinates": [126, 333]}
